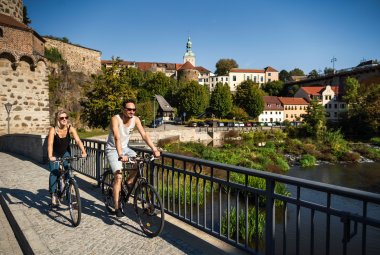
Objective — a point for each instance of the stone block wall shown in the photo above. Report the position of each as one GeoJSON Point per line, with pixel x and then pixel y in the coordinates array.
{"type": "Point", "coordinates": [79, 59]}
{"type": "Point", "coordinates": [12, 8]}
{"type": "Point", "coordinates": [28, 92]}
{"type": "Point", "coordinates": [20, 41]}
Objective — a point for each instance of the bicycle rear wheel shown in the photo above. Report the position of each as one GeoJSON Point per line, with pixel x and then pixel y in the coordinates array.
{"type": "Point", "coordinates": [75, 205]}
{"type": "Point", "coordinates": [107, 190]}
{"type": "Point", "coordinates": [149, 210]}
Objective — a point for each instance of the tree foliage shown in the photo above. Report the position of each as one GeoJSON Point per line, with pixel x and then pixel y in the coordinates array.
{"type": "Point", "coordinates": [284, 76]}
{"type": "Point", "coordinates": [25, 18]}
{"type": "Point", "coordinates": [274, 88]}
{"type": "Point", "coordinates": [192, 99]}
{"type": "Point", "coordinates": [313, 74]}
{"type": "Point", "coordinates": [250, 97]}
{"type": "Point", "coordinates": [315, 119]}
{"type": "Point", "coordinates": [223, 66]}
{"type": "Point", "coordinates": [363, 117]}
{"type": "Point", "coordinates": [221, 100]}
{"type": "Point", "coordinates": [328, 71]}
{"type": "Point", "coordinates": [296, 72]}
{"type": "Point", "coordinates": [105, 96]}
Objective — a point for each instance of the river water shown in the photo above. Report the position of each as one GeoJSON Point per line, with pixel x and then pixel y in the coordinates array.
{"type": "Point", "coordinates": [363, 176]}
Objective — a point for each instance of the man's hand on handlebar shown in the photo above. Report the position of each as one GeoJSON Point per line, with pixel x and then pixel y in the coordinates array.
{"type": "Point", "coordinates": [123, 158]}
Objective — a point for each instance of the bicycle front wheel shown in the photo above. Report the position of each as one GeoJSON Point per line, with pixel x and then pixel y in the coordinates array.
{"type": "Point", "coordinates": [107, 190]}
{"type": "Point", "coordinates": [75, 206]}
{"type": "Point", "coordinates": [149, 210]}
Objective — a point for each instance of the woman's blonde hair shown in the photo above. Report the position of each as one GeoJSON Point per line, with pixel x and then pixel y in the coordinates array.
{"type": "Point", "coordinates": [57, 123]}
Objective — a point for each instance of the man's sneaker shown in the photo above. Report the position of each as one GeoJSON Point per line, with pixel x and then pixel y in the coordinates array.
{"type": "Point", "coordinates": [119, 213]}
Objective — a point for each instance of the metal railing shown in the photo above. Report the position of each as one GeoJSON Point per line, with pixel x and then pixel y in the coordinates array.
{"type": "Point", "coordinates": [257, 211]}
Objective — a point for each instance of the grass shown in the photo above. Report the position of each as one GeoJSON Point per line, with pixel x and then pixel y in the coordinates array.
{"type": "Point", "coordinates": [88, 134]}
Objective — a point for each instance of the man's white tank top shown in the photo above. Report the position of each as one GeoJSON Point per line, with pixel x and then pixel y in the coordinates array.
{"type": "Point", "coordinates": [125, 133]}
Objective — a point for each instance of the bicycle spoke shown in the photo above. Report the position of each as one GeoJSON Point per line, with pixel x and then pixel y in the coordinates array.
{"type": "Point", "coordinates": [74, 203]}
{"type": "Point", "coordinates": [149, 210]}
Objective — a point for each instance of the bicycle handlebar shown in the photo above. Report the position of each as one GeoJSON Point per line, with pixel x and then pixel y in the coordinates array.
{"type": "Point", "coordinates": [146, 158]}
{"type": "Point", "coordinates": [75, 157]}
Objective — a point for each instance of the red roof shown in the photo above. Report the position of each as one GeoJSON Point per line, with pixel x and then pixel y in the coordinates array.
{"type": "Point", "coordinates": [201, 69]}
{"type": "Point", "coordinates": [270, 69]}
{"type": "Point", "coordinates": [187, 65]}
{"type": "Point", "coordinates": [317, 90]}
{"type": "Point", "coordinates": [293, 101]}
{"type": "Point", "coordinates": [235, 70]}
{"type": "Point", "coordinates": [272, 103]}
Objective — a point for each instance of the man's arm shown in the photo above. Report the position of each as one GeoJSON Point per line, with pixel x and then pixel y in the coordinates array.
{"type": "Point", "coordinates": [116, 134]}
{"type": "Point", "coordinates": [145, 136]}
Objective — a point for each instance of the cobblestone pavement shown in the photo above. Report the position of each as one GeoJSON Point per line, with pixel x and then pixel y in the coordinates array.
{"type": "Point", "coordinates": [24, 183]}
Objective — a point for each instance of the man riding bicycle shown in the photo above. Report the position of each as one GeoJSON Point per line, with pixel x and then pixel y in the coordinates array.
{"type": "Point", "coordinates": [117, 150]}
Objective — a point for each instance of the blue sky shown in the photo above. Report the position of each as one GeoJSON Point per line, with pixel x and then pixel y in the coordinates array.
{"type": "Point", "coordinates": [283, 34]}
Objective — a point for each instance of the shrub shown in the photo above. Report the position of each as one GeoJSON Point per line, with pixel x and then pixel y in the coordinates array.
{"type": "Point", "coordinates": [307, 160]}
{"type": "Point", "coordinates": [375, 141]}
{"type": "Point", "coordinates": [351, 156]}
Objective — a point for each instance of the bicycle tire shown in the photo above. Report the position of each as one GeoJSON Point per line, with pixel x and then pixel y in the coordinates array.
{"type": "Point", "coordinates": [107, 190]}
{"type": "Point", "coordinates": [149, 210]}
{"type": "Point", "coordinates": [74, 201]}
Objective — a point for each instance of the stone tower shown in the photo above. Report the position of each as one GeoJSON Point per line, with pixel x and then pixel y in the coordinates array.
{"type": "Point", "coordinates": [23, 74]}
{"type": "Point", "coordinates": [189, 55]}
{"type": "Point", "coordinates": [12, 8]}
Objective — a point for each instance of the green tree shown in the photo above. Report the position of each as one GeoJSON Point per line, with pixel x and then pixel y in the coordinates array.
{"type": "Point", "coordinates": [328, 71]}
{"type": "Point", "coordinates": [25, 18]}
{"type": "Point", "coordinates": [284, 76]}
{"type": "Point", "coordinates": [238, 113]}
{"type": "Point", "coordinates": [250, 97]}
{"type": "Point", "coordinates": [221, 100]}
{"type": "Point", "coordinates": [351, 93]}
{"type": "Point", "coordinates": [160, 84]}
{"type": "Point", "coordinates": [223, 66]}
{"type": "Point", "coordinates": [296, 72]}
{"type": "Point", "coordinates": [315, 119]}
{"type": "Point", "coordinates": [105, 96]}
{"type": "Point", "coordinates": [313, 74]}
{"type": "Point", "coordinates": [274, 88]}
{"type": "Point", "coordinates": [193, 99]}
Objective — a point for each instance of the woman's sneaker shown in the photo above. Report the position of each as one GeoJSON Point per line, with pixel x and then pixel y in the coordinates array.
{"type": "Point", "coordinates": [54, 200]}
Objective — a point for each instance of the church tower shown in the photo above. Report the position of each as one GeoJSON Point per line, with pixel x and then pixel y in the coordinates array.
{"type": "Point", "coordinates": [189, 55]}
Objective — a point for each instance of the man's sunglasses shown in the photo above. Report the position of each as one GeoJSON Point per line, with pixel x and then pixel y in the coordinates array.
{"type": "Point", "coordinates": [130, 109]}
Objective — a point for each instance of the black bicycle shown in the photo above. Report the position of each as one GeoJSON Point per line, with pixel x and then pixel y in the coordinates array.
{"type": "Point", "coordinates": [67, 189]}
{"type": "Point", "coordinates": [147, 203]}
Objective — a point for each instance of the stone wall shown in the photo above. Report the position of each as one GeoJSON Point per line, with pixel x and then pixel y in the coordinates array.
{"type": "Point", "coordinates": [16, 143]}
{"type": "Point", "coordinates": [12, 8]}
{"type": "Point", "coordinates": [27, 90]}
{"type": "Point", "coordinates": [20, 42]}
{"type": "Point", "coordinates": [79, 59]}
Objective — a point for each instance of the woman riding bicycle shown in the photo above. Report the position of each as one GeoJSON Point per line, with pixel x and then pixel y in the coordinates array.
{"type": "Point", "coordinates": [117, 150]}
{"type": "Point", "coordinates": [59, 146]}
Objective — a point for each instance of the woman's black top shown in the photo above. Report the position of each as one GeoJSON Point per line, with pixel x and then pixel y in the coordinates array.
{"type": "Point", "coordinates": [61, 145]}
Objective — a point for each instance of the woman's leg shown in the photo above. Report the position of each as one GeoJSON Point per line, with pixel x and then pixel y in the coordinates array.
{"type": "Point", "coordinates": [54, 172]}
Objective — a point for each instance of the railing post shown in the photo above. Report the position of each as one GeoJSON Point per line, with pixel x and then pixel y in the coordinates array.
{"type": "Point", "coordinates": [269, 218]}
{"type": "Point", "coordinates": [97, 164]}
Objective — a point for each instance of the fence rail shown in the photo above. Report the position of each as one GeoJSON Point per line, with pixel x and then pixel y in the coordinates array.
{"type": "Point", "coordinates": [257, 211]}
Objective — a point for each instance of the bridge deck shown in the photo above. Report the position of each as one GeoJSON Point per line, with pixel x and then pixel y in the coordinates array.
{"type": "Point", "coordinates": [23, 185]}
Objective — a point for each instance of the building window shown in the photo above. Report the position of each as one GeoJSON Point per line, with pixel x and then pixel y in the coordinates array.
{"type": "Point", "coordinates": [342, 106]}
{"type": "Point", "coordinates": [335, 106]}
{"type": "Point", "coordinates": [269, 74]}
{"type": "Point", "coordinates": [262, 79]}
{"type": "Point", "coordinates": [286, 115]}
{"type": "Point", "coordinates": [234, 78]}
{"type": "Point", "coordinates": [269, 80]}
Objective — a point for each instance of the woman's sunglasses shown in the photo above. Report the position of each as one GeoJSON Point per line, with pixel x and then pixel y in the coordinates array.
{"type": "Point", "coordinates": [63, 118]}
